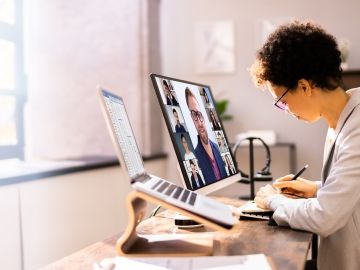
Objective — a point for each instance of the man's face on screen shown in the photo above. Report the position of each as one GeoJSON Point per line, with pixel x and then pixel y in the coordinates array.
{"type": "Point", "coordinates": [212, 116]}
{"type": "Point", "coordinates": [198, 119]}
{"type": "Point", "coordinates": [219, 140]}
{"type": "Point", "coordinates": [176, 116]}
{"type": "Point", "coordinates": [193, 168]}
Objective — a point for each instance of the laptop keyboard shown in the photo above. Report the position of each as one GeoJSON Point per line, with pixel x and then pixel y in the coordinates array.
{"type": "Point", "coordinates": [175, 191]}
{"type": "Point", "coordinates": [157, 184]}
{"type": "Point", "coordinates": [185, 195]}
{"type": "Point", "coordinates": [163, 187]}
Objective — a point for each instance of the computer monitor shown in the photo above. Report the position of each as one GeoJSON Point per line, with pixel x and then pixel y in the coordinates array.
{"type": "Point", "coordinates": [198, 136]}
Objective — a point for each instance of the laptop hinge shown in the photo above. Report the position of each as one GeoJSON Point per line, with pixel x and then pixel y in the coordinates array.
{"type": "Point", "coordinates": [141, 178]}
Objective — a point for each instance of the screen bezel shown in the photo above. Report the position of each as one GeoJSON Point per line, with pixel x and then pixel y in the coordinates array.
{"type": "Point", "coordinates": [211, 187]}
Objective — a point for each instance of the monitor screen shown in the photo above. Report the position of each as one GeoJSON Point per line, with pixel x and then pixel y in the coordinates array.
{"type": "Point", "coordinates": [123, 134]}
{"type": "Point", "coordinates": [197, 134]}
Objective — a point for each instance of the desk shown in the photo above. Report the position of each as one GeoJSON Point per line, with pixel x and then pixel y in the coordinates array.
{"type": "Point", "coordinates": [287, 248]}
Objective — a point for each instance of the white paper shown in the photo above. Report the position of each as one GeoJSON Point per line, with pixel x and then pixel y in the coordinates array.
{"type": "Point", "coordinates": [251, 207]}
{"type": "Point", "coordinates": [246, 262]}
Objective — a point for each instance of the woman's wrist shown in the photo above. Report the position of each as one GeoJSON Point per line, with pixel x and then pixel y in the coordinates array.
{"type": "Point", "coordinates": [318, 185]}
{"type": "Point", "coordinates": [274, 201]}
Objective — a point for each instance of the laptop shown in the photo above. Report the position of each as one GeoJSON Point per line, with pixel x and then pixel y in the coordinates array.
{"type": "Point", "coordinates": [131, 160]}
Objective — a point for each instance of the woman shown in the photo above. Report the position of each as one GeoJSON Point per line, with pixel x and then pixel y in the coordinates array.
{"type": "Point", "coordinates": [188, 154]}
{"type": "Point", "coordinates": [300, 66]}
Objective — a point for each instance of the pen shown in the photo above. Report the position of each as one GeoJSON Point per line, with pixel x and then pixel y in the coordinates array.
{"type": "Point", "coordinates": [300, 172]}
{"type": "Point", "coordinates": [285, 190]}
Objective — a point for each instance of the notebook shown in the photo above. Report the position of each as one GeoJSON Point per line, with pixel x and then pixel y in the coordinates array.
{"type": "Point", "coordinates": [250, 210]}
{"type": "Point", "coordinates": [130, 158]}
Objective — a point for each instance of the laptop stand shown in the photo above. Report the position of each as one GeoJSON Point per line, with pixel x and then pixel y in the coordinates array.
{"type": "Point", "coordinates": [131, 244]}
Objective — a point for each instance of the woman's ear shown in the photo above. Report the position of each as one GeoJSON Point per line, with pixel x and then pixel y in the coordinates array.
{"type": "Point", "coordinates": [305, 86]}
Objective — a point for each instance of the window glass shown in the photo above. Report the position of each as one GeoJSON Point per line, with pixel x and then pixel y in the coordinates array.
{"type": "Point", "coordinates": [7, 14]}
{"type": "Point", "coordinates": [7, 65]}
{"type": "Point", "coordinates": [7, 120]}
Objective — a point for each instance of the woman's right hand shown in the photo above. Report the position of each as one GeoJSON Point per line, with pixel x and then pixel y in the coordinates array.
{"type": "Point", "coordinates": [298, 188]}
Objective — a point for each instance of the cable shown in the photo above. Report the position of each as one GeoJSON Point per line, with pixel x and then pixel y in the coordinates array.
{"type": "Point", "coordinates": [154, 212]}
{"type": "Point", "coordinates": [265, 171]}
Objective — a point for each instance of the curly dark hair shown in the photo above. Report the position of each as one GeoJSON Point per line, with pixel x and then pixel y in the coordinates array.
{"type": "Point", "coordinates": [298, 50]}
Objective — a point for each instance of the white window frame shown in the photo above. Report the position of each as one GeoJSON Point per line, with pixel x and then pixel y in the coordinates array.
{"type": "Point", "coordinates": [14, 33]}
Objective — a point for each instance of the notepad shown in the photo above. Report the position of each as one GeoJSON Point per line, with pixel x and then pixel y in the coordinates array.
{"type": "Point", "coordinates": [251, 207]}
{"type": "Point", "coordinates": [252, 211]}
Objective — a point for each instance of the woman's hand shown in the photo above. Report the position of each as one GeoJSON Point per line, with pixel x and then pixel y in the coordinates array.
{"type": "Point", "coordinates": [298, 188]}
{"type": "Point", "coordinates": [262, 194]}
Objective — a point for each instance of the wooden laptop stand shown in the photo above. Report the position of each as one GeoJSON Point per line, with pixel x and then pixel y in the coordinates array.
{"type": "Point", "coordinates": [131, 244]}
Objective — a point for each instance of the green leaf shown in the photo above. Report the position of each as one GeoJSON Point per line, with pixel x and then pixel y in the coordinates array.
{"type": "Point", "coordinates": [221, 106]}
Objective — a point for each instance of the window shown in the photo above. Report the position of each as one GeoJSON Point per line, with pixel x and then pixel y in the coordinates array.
{"type": "Point", "coordinates": [12, 80]}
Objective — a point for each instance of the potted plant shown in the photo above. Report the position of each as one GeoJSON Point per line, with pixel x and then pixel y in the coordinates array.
{"type": "Point", "coordinates": [221, 107]}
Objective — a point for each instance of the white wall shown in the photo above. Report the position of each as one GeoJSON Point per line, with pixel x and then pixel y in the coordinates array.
{"type": "Point", "coordinates": [51, 218]}
{"type": "Point", "coordinates": [70, 48]}
{"type": "Point", "coordinates": [253, 109]}
{"type": "Point", "coordinates": [63, 214]}
{"type": "Point", "coordinates": [10, 233]}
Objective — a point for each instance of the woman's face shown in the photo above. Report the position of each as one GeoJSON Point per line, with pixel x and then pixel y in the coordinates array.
{"type": "Point", "coordinates": [185, 144]}
{"type": "Point", "coordinates": [299, 103]}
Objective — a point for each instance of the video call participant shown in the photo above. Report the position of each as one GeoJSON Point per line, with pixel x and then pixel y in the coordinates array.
{"type": "Point", "coordinates": [207, 101]}
{"type": "Point", "coordinates": [206, 151]}
{"type": "Point", "coordinates": [179, 128]}
{"type": "Point", "coordinates": [229, 166]}
{"type": "Point", "coordinates": [221, 143]}
{"type": "Point", "coordinates": [188, 154]}
{"type": "Point", "coordinates": [196, 179]}
{"type": "Point", "coordinates": [214, 122]}
{"type": "Point", "coordinates": [170, 98]}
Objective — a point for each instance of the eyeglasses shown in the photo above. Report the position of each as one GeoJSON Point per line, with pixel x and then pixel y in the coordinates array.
{"type": "Point", "coordinates": [196, 116]}
{"type": "Point", "coordinates": [278, 103]}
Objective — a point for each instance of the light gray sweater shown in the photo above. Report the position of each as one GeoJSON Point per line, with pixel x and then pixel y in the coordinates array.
{"type": "Point", "coordinates": [335, 212]}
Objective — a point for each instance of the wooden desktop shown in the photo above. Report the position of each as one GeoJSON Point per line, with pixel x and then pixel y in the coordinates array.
{"type": "Point", "coordinates": [286, 248]}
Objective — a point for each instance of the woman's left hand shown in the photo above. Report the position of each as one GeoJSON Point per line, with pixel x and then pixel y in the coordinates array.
{"type": "Point", "coordinates": [262, 195]}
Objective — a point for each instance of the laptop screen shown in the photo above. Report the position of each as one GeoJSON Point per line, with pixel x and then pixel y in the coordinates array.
{"type": "Point", "coordinates": [123, 134]}
{"type": "Point", "coordinates": [196, 131]}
